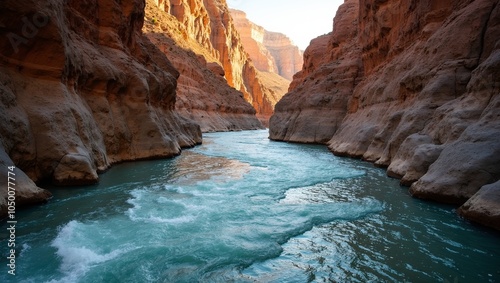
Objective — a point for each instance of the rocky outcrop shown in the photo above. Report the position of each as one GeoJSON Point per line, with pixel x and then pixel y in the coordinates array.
{"type": "Point", "coordinates": [317, 102]}
{"type": "Point", "coordinates": [266, 89]}
{"type": "Point", "coordinates": [203, 94]}
{"type": "Point", "coordinates": [483, 207]}
{"type": "Point", "coordinates": [274, 87]}
{"type": "Point", "coordinates": [268, 81]}
{"type": "Point", "coordinates": [412, 86]}
{"type": "Point", "coordinates": [18, 190]}
{"type": "Point", "coordinates": [288, 57]}
{"type": "Point", "coordinates": [252, 38]}
{"type": "Point", "coordinates": [270, 51]}
{"type": "Point", "coordinates": [210, 24]}
{"type": "Point", "coordinates": [81, 89]}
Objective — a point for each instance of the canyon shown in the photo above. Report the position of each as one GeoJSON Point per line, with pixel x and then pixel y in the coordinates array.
{"type": "Point", "coordinates": [82, 89]}
{"type": "Point", "coordinates": [413, 87]}
{"type": "Point", "coordinates": [203, 94]}
{"type": "Point", "coordinates": [87, 84]}
{"type": "Point", "coordinates": [271, 52]}
{"type": "Point", "coordinates": [207, 29]}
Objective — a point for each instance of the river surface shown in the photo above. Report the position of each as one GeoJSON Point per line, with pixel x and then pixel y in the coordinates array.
{"type": "Point", "coordinates": [242, 208]}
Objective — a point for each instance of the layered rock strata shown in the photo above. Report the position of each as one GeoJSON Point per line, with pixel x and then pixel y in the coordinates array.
{"type": "Point", "coordinates": [270, 51]}
{"type": "Point", "coordinates": [412, 86]}
{"type": "Point", "coordinates": [210, 24]}
{"type": "Point", "coordinates": [288, 58]}
{"type": "Point", "coordinates": [203, 94]}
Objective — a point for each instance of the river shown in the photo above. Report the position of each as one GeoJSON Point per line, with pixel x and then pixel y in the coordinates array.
{"type": "Point", "coordinates": [242, 208]}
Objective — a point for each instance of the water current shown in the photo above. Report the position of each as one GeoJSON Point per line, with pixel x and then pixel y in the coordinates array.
{"type": "Point", "coordinates": [242, 208]}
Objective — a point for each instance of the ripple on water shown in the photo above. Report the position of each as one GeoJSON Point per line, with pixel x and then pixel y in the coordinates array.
{"type": "Point", "coordinates": [241, 208]}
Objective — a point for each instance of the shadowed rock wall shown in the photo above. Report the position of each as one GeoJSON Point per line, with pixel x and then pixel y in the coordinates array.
{"type": "Point", "coordinates": [410, 85]}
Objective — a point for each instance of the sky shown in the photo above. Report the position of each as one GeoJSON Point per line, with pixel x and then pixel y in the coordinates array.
{"type": "Point", "coordinates": [300, 20]}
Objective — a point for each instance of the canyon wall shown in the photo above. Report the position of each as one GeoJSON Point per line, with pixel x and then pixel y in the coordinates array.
{"type": "Point", "coordinates": [269, 51]}
{"type": "Point", "coordinates": [288, 57]}
{"type": "Point", "coordinates": [83, 88]}
{"type": "Point", "coordinates": [210, 24]}
{"type": "Point", "coordinates": [252, 38]}
{"type": "Point", "coordinates": [203, 94]}
{"type": "Point", "coordinates": [412, 86]}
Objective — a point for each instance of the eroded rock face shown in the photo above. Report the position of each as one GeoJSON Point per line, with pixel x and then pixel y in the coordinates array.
{"type": "Point", "coordinates": [419, 94]}
{"type": "Point", "coordinates": [288, 57]}
{"type": "Point", "coordinates": [22, 191]}
{"type": "Point", "coordinates": [203, 94]}
{"type": "Point", "coordinates": [317, 102]}
{"type": "Point", "coordinates": [483, 206]}
{"type": "Point", "coordinates": [270, 51]}
{"type": "Point", "coordinates": [252, 38]}
{"type": "Point", "coordinates": [82, 88]}
{"type": "Point", "coordinates": [210, 24]}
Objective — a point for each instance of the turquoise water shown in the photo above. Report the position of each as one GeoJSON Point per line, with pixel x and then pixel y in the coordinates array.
{"type": "Point", "coordinates": [241, 208]}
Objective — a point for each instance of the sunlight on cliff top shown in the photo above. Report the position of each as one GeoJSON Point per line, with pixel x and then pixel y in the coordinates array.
{"type": "Point", "coordinates": [301, 21]}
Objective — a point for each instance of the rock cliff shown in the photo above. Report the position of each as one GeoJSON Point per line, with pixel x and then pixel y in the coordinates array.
{"type": "Point", "coordinates": [413, 86]}
{"type": "Point", "coordinates": [70, 78]}
{"type": "Point", "coordinates": [210, 24]}
{"type": "Point", "coordinates": [288, 57]}
{"type": "Point", "coordinates": [269, 51]}
{"type": "Point", "coordinates": [252, 38]}
{"type": "Point", "coordinates": [203, 94]}
{"type": "Point", "coordinates": [83, 88]}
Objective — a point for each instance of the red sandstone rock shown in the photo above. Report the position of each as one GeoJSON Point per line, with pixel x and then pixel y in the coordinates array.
{"type": "Point", "coordinates": [210, 24]}
{"type": "Point", "coordinates": [252, 38]}
{"type": "Point", "coordinates": [84, 89]}
{"type": "Point", "coordinates": [288, 57]}
{"type": "Point", "coordinates": [417, 90]}
{"type": "Point", "coordinates": [203, 94]}
{"type": "Point", "coordinates": [317, 102]}
{"type": "Point", "coordinates": [270, 51]}
{"type": "Point", "coordinates": [22, 187]}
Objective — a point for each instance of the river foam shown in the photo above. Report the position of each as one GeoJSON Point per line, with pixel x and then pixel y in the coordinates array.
{"type": "Point", "coordinates": [241, 208]}
{"type": "Point", "coordinates": [77, 251]}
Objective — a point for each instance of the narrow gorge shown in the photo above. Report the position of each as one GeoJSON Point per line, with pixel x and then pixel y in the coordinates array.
{"type": "Point", "coordinates": [86, 85]}
{"type": "Point", "coordinates": [413, 87]}
{"type": "Point", "coordinates": [207, 29]}
{"type": "Point", "coordinates": [271, 52]}
{"type": "Point", "coordinates": [179, 141]}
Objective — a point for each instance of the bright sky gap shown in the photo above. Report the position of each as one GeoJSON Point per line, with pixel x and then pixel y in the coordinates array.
{"type": "Point", "coordinates": [301, 21]}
